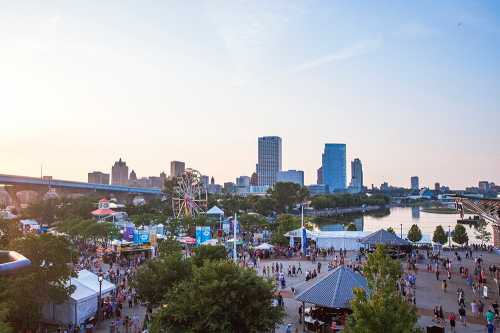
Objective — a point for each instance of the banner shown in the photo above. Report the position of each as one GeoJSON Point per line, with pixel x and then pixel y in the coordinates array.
{"type": "Point", "coordinates": [128, 234]}
{"type": "Point", "coordinates": [202, 234]}
{"type": "Point", "coordinates": [141, 237]}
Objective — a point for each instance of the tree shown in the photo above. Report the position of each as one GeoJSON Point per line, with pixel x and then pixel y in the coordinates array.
{"type": "Point", "coordinates": [351, 227]}
{"type": "Point", "coordinates": [482, 233]}
{"type": "Point", "coordinates": [208, 253]}
{"type": "Point", "coordinates": [220, 297]}
{"type": "Point", "coordinates": [4, 328]}
{"type": "Point", "coordinates": [460, 235]}
{"type": "Point", "coordinates": [284, 224]}
{"type": "Point", "coordinates": [383, 305]}
{"type": "Point", "coordinates": [439, 236]}
{"type": "Point", "coordinates": [265, 206]}
{"type": "Point", "coordinates": [9, 230]}
{"type": "Point", "coordinates": [252, 222]}
{"type": "Point", "coordinates": [44, 281]}
{"type": "Point", "coordinates": [156, 277]}
{"type": "Point", "coordinates": [391, 230]}
{"type": "Point", "coordinates": [414, 234]}
{"type": "Point", "coordinates": [286, 195]}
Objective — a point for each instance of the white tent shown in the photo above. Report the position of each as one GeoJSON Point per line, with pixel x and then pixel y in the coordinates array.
{"type": "Point", "coordinates": [82, 303]}
{"type": "Point", "coordinates": [347, 240]}
{"type": "Point", "coordinates": [264, 246]}
{"type": "Point", "coordinates": [215, 211]}
{"type": "Point", "coordinates": [210, 242]}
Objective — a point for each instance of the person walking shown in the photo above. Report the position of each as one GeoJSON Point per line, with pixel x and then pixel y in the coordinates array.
{"type": "Point", "coordinates": [452, 319]}
{"type": "Point", "coordinates": [463, 316]}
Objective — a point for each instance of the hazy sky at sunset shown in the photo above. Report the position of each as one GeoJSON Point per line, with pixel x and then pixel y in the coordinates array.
{"type": "Point", "coordinates": [412, 88]}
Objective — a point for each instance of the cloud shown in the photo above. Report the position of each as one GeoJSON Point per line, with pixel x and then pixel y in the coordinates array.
{"type": "Point", "coordinates": [347, 53]}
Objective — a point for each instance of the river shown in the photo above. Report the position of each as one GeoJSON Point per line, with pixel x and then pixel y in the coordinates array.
{"type": "Point", "coordinates": [403, 218]}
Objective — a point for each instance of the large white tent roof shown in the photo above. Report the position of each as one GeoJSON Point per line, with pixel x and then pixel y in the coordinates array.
{"type": "Point", "coordinates": [90, 281]}
{"type": "Point", "coordinates": [215, 211]}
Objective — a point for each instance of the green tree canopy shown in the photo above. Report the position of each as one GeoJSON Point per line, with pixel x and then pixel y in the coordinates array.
{"type": "Point", "coordinates": [391, 230]}
{"type": "Point", "coordinates": [414, 234]}
{"type": "Point", "coordinates": [351, 227]}
{"type": "Point", "coordinates": [45, 280]}
{"type": "Point", "coordinates": [252, 222]}
{"type": "Point", "coordinates": [156, 277]}
{"type": "Point", "coordinates": [220, 297]}
{"type": "Point", "coordinates": [287, 195]}
{"type": "Point", "coordinates": [439, 236]}
{"type": "Point", "coordinates": [208, 253]}
{"type": "Point", "coordinates": [373, 312]}
{"type": "Point", "coordinates": [282, 225]}
{"type": "Point", "coordinates": [481, 232]}
{"type": "Point", "coordinates": [460, 235]}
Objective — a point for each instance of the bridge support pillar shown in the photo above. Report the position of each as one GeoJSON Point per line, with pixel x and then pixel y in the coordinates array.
{"type": "Point", "coordinates": [496, 236]}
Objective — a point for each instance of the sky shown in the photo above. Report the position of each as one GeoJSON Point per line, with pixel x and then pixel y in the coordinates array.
{"type": "Point", "coordinates": [412, 88]}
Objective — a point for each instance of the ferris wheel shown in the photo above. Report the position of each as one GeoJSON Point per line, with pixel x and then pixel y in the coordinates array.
{"type": "Point", "coordinates": [190, 195]}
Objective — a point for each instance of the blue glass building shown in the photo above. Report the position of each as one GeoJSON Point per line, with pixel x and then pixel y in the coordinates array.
{"type": "Point", "coordinates": [334, 166]}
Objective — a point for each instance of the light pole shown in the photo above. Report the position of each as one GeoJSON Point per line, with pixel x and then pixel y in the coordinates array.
{"type": "Point", "coordinates": [100, 279]}
{"type": "Point", "coordinates": [401, 233]}
{"type": "Point", "coordinates": [449, 237]}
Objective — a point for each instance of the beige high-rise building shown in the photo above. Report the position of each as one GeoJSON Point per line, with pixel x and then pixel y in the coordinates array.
{"type": "Point", "coordinates": [119, 173]}
{"type": "Point", "coordinates": [97, 177]}
{"type": "Point", "coordinates": [177, 168]}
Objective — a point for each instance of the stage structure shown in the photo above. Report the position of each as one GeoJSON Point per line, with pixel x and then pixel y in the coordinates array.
{"type": "Point", "coordinates": [488, 209]}
{"type": "Point", "coordinates": [190, 195]}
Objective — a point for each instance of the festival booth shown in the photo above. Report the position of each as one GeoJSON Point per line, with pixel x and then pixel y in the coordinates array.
{"type": "Point", "coordinates": [346, 240]}
{"type": "Point", "coordinates": [398, 246]}
{"type": "Point", "coordinates": [82, 303]}
{"type": "Point", "coordinates": [29, 226]}
{"type": "Point", "coordinates": [264, 250]}
{"type": "Point", "coordinates": [331, 297]}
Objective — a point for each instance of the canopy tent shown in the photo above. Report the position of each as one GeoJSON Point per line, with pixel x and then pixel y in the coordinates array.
{"type": "Point", "coordinates": [82, 303]}
{"type": "Point", "coordinates": [187, 240]}
{"type": "Point", "coordinates": [215, 211]}
{"type": "Point", "coordinates": [238, 241]}
{"type": "Point", "coordinates": [210, 242]}
{"type": "Point", "coordinates": [297, 233]}
{"type": "Point", "coordinates": [264, 246]}
{"type": "Point", "coordinates": [346, 240]}
{"type": "Point", "coordinates": [335, 290]}
{"type": "Point", "coordinates": [384, 237]}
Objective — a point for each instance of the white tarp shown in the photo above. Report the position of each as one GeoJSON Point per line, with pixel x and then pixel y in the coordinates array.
{"type": "Point", "coordinates": [215, 211]}
{"type": "Point", "coordinates": [348, 240]}
{"type": "Point", "coordinates": [82, 303]}
{"type": "Point", "coordinates": [264, 246]}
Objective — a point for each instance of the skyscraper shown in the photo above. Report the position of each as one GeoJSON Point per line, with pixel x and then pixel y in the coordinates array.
{"type": "Point", "coordinates": [334, 166]}
{"type": "Point", "coordinates": [319, 176]}
{"type": "Point", "coordinates": [415, 183]}
{"type": "Point", "coordinates": [356, 175]}
{"type": "Point", "coordinates": [119, 173]}
{"type": "Point", "coordinates": [177, 168]}
{"type": "Point", "coordinates": [269, 160]}
{"type": "Point", "coordinates": [97, 177]}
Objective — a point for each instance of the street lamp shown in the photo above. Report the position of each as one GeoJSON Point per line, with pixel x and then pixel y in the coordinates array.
{"type": "Point", "coordinates": [449, 237]}
{"type": "Point", "coordinates": [100, 279]}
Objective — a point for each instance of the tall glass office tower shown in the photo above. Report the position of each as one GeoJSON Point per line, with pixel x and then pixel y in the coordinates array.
{"type": "Point", "coordinates": [334, 166]}
{"type": "Point", "coordinates": [269, 160]}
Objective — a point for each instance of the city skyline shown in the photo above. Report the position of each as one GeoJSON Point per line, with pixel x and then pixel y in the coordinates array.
{"type": "Point", "coordinates": [411, 91]}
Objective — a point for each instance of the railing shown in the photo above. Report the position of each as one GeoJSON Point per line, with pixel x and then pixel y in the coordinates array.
{"type": "Point", "coordinates": [11, 261]}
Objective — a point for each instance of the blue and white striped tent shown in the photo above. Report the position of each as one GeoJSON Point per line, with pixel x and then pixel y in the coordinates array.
{"type": "Point", "coordinates": [335, 290]}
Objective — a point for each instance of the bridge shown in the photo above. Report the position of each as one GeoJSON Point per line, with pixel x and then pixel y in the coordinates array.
{"type": "Point", "coordinates": [488, 209]}
{"type": "Point", "coordinates": [72, 185]}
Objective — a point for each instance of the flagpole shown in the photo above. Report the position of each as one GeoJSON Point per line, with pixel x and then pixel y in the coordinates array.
{"type": "Point", "coordinates": [235, 256]}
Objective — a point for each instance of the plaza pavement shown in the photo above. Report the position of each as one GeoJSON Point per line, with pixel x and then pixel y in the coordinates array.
{"type": "Point", "coordinates": [428, 292]}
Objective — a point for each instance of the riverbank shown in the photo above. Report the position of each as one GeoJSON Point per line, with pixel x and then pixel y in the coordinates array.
{"type": "Point", "coordinates": [329, 212]}
{"type": "Point", "coordinates": [439, 210]}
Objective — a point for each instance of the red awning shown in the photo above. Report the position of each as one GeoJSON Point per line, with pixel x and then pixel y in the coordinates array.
{"type": "Point", "coordinates": [103, 212]}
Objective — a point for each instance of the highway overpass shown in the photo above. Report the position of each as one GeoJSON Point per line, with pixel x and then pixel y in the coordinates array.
{"type": "Point", "coordinates": [72, 185]}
